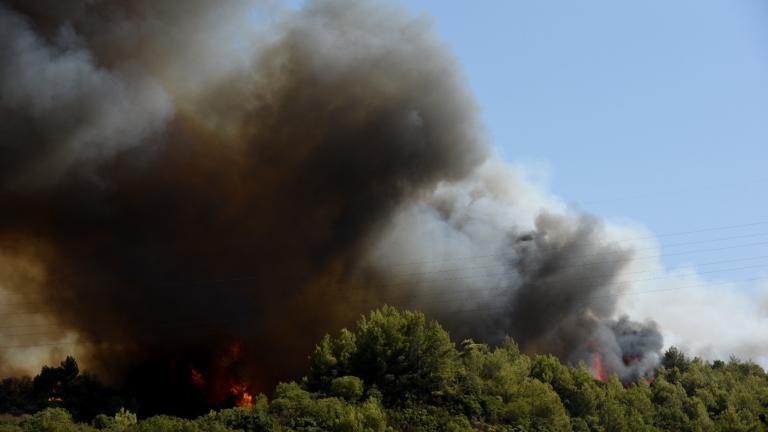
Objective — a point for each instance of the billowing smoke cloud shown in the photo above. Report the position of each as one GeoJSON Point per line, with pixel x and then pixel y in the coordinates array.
{"type": "Point", "coordinates": [61, 112]}
{"type": "Point", "coordinates": [691, 310]}
{"type": "Point", "coordinates": [232, 221]}
{"type": "Point", "coordinates": [492, 255]}
{"type": "Point", "coordinates": [191, 186]}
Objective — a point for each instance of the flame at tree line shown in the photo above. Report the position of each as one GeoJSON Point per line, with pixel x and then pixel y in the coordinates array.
{"type": "Point", "coordinates": [423, 381]}
{"type": "Point", "coordinates": [599, 372]}
{"type": "Point", "coordinates": [597, 366]}
{"type": "Point", "coordinates": [183, 205]}
{"type": "Point", "coordinates": [241, 396]}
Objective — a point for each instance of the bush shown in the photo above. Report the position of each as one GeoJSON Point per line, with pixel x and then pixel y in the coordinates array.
{"type": "Point", "coordinates": [401, 353]}
{"type": "Point", "coordinates": [397, 371]}
{"type": "Point", "coordinates": [53, 420]}
{"type": "Point", "coordinates": [347, 387]}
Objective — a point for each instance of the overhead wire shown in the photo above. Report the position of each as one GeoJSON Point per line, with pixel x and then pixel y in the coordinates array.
{"type": "Point", "coordinates": [461, 310]}
{"type": "Point", "coordinates": [501, 274]}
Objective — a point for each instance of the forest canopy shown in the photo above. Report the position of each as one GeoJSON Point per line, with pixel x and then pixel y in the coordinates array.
{"type": "Point", "coordinates": [399, 371]}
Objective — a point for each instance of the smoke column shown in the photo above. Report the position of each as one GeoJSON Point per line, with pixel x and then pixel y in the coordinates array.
{"type": "Point", "coordinates": [516, 262]}
{"type": "Point", "coordinates": [194, 186]}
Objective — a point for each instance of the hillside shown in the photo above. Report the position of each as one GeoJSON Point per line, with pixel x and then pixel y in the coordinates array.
{"type": "Point", "coordinates": [398, 371]}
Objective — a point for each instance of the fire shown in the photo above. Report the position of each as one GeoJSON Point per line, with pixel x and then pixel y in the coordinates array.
{"type": "Point", "coordinates": [240, 394]}
{"type": "Point", "coordinates": [630, 358]}
{"type": "Point", "coordinates": [597, 366]}
{"type": "Point", "coordinates": [246, 400]}
{"type": "Point", "coordinates": [238, 388]}
{"type": "Point", "coordinates": [197, 378]}
{"type": "Point", "coordinates": [634, 358]}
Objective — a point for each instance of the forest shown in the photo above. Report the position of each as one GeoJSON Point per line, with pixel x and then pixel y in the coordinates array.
{"type": "Point", "coordinates": [399, 371]}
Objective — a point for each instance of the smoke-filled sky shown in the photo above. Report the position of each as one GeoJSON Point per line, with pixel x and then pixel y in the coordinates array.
{"type": "Point", "coordinates": [649, 113]}
{"type": "Point", "coordinates": [213, 186]}
{"type": "Point", "coordinates": [652, 111]}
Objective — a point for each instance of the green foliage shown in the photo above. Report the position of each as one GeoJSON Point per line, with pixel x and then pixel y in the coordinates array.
{"type": "Point", "coordinates": [397, 371]}
{"type": "Point", "coordinates": [64, 386]}
{"type": "Point", "coordinates": [253, 419]}
{"type": "Point", "coordinates": [347, 387]}
{"type": "Point", "coordinates": [400, 353]}
{"type": "Point", "coordinates": [165, 424]}
{"type": "Point", "coordinates": [53, 420]}
{"type": "Point", "coordinates": [123, 420]}
{"type": "Point", "coordinates": [298, 409]}
{"type": "Point", "coordinates": [103, 421]}
{"type": "Point", "coordinates": [427, 418]}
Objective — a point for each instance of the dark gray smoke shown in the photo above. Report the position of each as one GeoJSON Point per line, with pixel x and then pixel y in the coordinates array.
{"type": "Point", "coordinates": [181, 178]}
{"type": "Point", "coordinates": [492, 256]}
{"type": "Point", "coordinates": [152, 216]}
{"type": "Point", "coordinates": [637, 346]}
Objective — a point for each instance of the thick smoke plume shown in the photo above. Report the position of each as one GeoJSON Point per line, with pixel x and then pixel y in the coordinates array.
{"type": "Point", "coordinates": [492, 255]}
{"type": "Point", "coordinates": [191, 185]}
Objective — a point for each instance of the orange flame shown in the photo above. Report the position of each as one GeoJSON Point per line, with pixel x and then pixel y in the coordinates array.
{"type": "Point", "coordinates": [246, 400]}
{"type": "Point", "coordinates": [597, 366]}
{"type": "Point", "coordinates": [239, 392]}
{"type": "Point", "coordinates": [197, 378]}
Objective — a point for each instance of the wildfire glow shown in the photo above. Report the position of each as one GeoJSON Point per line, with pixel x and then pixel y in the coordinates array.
{"type": "Point", "coordinates": [597, 366]}
{"type": "Point", "coordinates": [239, 392]}
{"type": "Point", "coordinates": [197, 378]}
{"type": "Point", "coordinates": [246, 400]}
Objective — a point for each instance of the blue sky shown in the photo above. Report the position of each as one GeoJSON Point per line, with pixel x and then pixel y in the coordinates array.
{"type": "Point", "coordinates": [654, 111]}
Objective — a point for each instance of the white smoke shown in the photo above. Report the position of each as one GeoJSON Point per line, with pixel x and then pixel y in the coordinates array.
{"type": "Point", "coordinates": [93, 113]}
{"type": "Point", "coordinates": [452, 251]}
{"type": "Point", "coordinates": [490, 253]}
{"type": "Point", "coordinates": [708, 318]}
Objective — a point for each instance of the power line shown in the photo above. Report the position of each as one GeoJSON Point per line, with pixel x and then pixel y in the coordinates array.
{"type": "Point", "coordinates": [504, 290]}
{"type": "Point", "coordinates": [651, 237]}
{"type": "Point", "coordinates": [569, 266]}
{"type": "Point", "coordinates": [463, 310]}
{"type": "Point", "coordinates": [503, 273]}
{"type": "Point", "coordinates": [606, 253]}
{"type": "Point", "coordinates": [457, 295]}
{"type": "Point", "coordinates": [507, 273]}
{"type": "Point", "coordinates": [626, 293]}
{"type": "Point", "coordinates": [246, 278]}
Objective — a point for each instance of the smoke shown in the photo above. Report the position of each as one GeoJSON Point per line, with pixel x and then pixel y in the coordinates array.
{"type": "Point", "coordinates": [695, 309]}
{"type": "Point", "coordinates": [89, 114]}
{"type": "Point", "coordinates": [186, 230]}
{"type": "Point", "coordinates": [494, 255]}
{"type": "Point", "coordinates": [182, 180]}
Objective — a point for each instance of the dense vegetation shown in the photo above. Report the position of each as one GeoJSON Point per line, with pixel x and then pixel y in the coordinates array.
{"type": "Point", "coordinates": [397, 371]}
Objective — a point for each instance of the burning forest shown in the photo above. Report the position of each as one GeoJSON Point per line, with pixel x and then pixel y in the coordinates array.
{"type": "Point", "coordinates": [193, 195]}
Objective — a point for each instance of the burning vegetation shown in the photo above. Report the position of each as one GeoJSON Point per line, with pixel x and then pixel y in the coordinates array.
{"type": "Point", "coordinates": [194, 204]}
{"type": "Point", "coordinates": [240, 395]}
{"type": "Point", "coordinates": [421, 381]}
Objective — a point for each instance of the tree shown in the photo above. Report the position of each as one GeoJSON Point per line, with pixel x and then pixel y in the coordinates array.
{"type": "Point", "coordinates": [397, 371]}
{"type": "Point", "coordinates": [53, 420]}
{"type": "Point", "coordinates": [675, 363]}
{"type": "Point", "coordinates": [400, 353]}
{"type": "Point", "coordinates": [669, 400]}
{"type": "Point", "coordinates": [349, 388]}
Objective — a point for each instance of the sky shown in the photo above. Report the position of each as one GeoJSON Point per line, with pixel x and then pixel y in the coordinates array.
{"type": "Point", "coordinates": [647, 111]}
